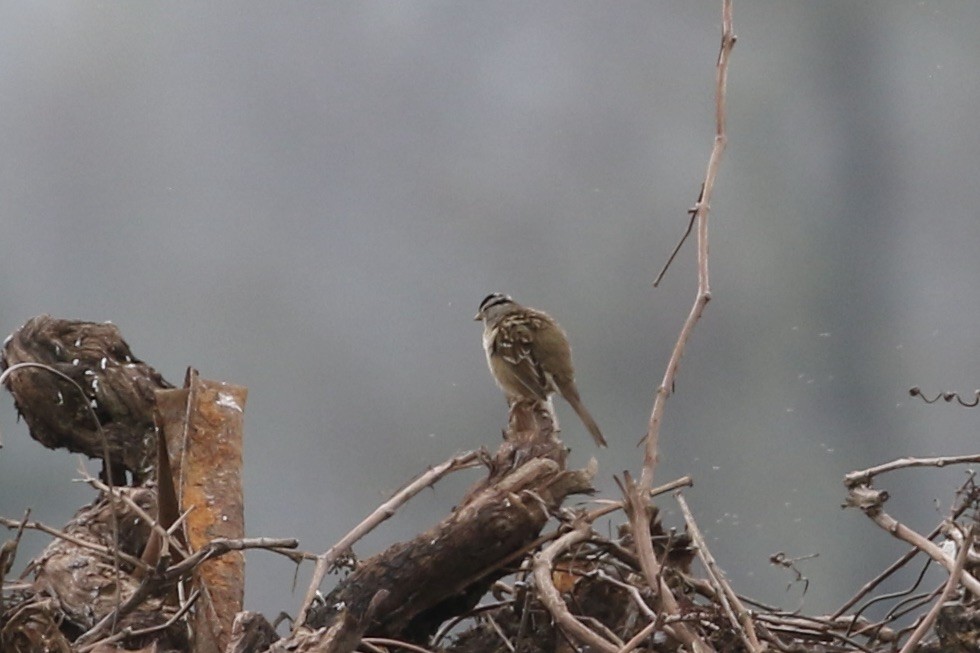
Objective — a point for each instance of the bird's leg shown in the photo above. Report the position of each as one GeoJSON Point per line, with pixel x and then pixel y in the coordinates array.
{"type": "Point", "coordinates": [552, 413]}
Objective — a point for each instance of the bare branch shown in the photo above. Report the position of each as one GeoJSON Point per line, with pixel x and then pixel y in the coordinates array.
{"type": "Point", "coordinates": [326, 559]}
{"type": "Point", "coordinates": [127, 633]}
{"type": "Point", "coordinates": [636, 510]}
{"type": "Point", "coordinates": [864, 476]}
{"type": "Point", "coordinates": [954, 580]}
{"type": "Point", "coordinates": [105, 551]}
{"type": "Point", "coordinates": [872, 501]}
{"type": "Point", "coordinates": [651, 453]}
{"type": "Point", "coordinates": [737, 613]}
{"type": "Point", "coordinates": [551, 598]}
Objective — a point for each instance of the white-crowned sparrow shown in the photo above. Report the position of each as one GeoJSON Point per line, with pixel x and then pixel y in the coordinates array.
{"type": "Point", "coordinates": [529, 355]}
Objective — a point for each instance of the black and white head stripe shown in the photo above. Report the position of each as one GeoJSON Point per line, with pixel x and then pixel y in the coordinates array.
{"type": "Point", "coordinates": [495, 299]}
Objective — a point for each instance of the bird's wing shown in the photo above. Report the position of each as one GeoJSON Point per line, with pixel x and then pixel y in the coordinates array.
{"type": "Point", "coordinates": [514, 342]}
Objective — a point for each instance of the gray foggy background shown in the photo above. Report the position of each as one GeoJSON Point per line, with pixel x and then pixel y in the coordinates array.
{"type": "Point", "coordinates": [311, 199]}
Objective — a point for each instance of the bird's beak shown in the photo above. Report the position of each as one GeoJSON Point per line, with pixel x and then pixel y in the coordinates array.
{"type": "Point", "coordinates": [476, 318]}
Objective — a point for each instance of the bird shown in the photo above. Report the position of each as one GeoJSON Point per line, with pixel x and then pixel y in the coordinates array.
{"type": "Point", "coordinates": [529, 355]}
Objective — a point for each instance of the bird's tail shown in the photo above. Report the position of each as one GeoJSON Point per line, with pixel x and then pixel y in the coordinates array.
{"type": "Point", "coordinates": [570, 393]}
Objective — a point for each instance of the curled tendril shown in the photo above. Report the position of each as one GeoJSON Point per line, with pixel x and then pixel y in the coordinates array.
{"type": "Point", "coordinates": [947, 397]}
{"type": "Point", "coordinates": [780, 559]}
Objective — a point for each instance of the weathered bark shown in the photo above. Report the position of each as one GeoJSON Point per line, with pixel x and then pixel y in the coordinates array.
{"type": "Point", "coordinates": [112, 384]}
{"type": "Point", "coordinates": [75, 586]}
{"type": "Point", "coordinates": [444, 571]}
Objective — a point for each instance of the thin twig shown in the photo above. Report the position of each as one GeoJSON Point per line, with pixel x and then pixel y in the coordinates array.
{"type": "Point", "coordinates": [107, 462]}
{"type": "Point", "coordinates": [500, 633]}
{"type": "Point", "coordinates": [611, 506]}
{"type": "Point", "coordinates": [651, 454]}
{"type": "Point", "coordinates": [145, 588]}
{"type": "Point", "coordinates": [85, 402]}
{"type": "Point", "coordinates": [877, 580]}
{"type": "Point", "coordinates": [154, 580]}
{"type": "Point", "coordinates": [904, 607]}
{"type": "Point", "coordinates": [637, 495]}
{"type": "Point", "coordinates": [738, 615]}
{"type": "Point", "coordinates": [638, 638]}
{"type": "Point", "coordinates": [219, 547]}
{"type": "Point", "coordinates": [954, 581]}
{"type": "Point", "coordinates": [808, 627]}
{"type": "Point", "coordinates": [901, 562]}
{"type": "Point", "coordinates": [551, 598]}
{"type": "Point", "coordinates": [888, 597]}
{"type": "Point", "coordinates": [384, 641]}
{"type": "Point", "coordinates": [54, 532]}
{"type": "Point", "coordinates": [166, 534]}
{"type": "Point", "coordinates": [864, 476]}
{"type": "Point", "coordinates": [630, 589]}
{"type": "Point", "coordinates": [8, 550]}
{"type": "Point", "coordinates": [895, 528]}
{"type": "Point", "coordinates": [370, 648]}
{"type": "Point", "coordinates": [448, 626]}
{"type": "Point", "coordinates": [677, 249]}
{"type": "Point", "coordinates": [127, 633]}
{"type": "Point", "coordinates": [636, 510]}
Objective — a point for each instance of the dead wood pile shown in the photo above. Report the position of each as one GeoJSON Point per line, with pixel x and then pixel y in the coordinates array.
{"type": "Point", "coordinates": [156, 565]}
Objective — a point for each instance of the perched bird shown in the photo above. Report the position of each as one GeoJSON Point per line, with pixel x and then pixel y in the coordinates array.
{"type": "Point", "coordinates": [529, 355]}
